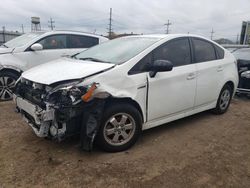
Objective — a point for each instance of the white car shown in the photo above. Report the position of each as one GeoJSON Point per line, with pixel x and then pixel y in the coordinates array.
{"type": "Point", "coordinates": [33, 49]}
{"type": "Point", "coordinates": [113, 91]}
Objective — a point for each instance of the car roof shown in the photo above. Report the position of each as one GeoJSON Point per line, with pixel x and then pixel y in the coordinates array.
{"type": "Point", "coordinates": [165, 36]}
{"type": "Point", "coordinates": [69, 32]}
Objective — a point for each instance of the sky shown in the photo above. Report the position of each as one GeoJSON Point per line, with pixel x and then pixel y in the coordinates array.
{"type": "Point", "coordinates": [138, 16]}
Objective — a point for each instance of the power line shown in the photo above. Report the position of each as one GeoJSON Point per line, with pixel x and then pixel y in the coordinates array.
{"type": "Point", "coordinates": [237, 39]}
{"type": "Point", "coordinates": [168, 24]}
{"type": "Point", "coordinates": [3, 34]}
{"type": "Point", "coordinates": [51, 24]}
{"type": "Point", "coordinates": [110, 23]}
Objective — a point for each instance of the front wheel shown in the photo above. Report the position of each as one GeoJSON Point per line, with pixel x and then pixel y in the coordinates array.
{"type": "Point", "coordinates": [7, 84]}
{"type": "Point", "coordinates": [224, 100]}
{"type": "Point", "coordinates": [120, 127]}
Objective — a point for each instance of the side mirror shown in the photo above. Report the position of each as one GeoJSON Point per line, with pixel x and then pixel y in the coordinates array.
{"type": "Point", "coordinates": [36, 47]}
{"type": "Point", "coordinates": [160, 66]}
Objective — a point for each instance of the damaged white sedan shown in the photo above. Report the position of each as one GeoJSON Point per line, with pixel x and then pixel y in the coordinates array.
{"type": "Point", "coordinates": [110, 93]}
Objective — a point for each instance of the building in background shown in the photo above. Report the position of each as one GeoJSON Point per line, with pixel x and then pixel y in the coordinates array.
{"type": "Point", "coordinates": [245, 33]}
{"type": "Point", "coordinates": [7, 35]}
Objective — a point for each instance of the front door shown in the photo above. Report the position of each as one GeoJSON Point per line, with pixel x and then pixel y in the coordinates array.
{"type": "Point", "coordinates": [171, 93]}
{"type": "Point", "coordinates": [54, 47]}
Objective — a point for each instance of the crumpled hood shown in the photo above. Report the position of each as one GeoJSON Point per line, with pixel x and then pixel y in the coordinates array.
{"type": "Point", "coordinates": [5, 50]}
{"type": "Point", "coordinates": [64, 69]}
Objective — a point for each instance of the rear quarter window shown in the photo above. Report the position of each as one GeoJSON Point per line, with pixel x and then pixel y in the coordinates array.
{"type": "Point", "coordinates": [220, 52]}
{"type": "Point", "coordinates": [203, 50]}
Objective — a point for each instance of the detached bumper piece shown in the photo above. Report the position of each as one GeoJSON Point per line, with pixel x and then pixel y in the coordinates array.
{"type": "Point", "coordinates": [91, 123]}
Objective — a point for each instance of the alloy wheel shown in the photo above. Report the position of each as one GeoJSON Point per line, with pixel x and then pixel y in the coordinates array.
{"type": "Point", "coordinates": [7, 85]}
{"type": "Point", "coordinates": [119, 129]}
{"type": "Point", "coordinates": [225, 99]}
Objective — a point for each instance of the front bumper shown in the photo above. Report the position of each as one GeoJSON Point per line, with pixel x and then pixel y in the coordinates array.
{"type": "Point", "coordinates": [41, 121]}
{"type": "Point", "coordinates": [58, 122]}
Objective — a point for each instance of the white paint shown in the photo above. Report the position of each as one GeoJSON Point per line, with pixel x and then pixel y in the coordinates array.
{"type": "Point", "coordinates": [172, 95]}
{"type": "Point", "coordinates": [23, 59]}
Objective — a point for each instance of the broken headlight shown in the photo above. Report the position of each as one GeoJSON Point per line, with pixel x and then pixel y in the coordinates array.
{"type": "Point", "coordinates": [73, 93]}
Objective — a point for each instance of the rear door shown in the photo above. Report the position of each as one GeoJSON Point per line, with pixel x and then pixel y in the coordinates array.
{"type": "Point", "coordinates": [171, 93]}
{"type": "Point", "coordinates": [79, 43]}
{"type": "Point", "coordinates": [209, 71]}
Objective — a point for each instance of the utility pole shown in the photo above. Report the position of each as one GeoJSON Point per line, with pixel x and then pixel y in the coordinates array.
{"type": "Point", "coordinates": [3, 34]}
{"type": "Point", "coordinates": [237, 39]}
{"type": "Point", "coordinates": [212, 34]}
{"type": "Point", "coordinates": [110, 23]}
{"type": "Point", "coordinates": [22, 28]}
{"type": "Point", "coordinates": [51, 24]}
{"type": "Point", "coordinates": [168, 24]}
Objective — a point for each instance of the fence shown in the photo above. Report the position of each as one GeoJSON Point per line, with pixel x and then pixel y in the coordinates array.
{"type": "Point", "coordinates": [7, 35]}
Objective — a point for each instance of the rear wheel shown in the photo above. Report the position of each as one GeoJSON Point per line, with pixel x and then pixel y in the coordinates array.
{"type": "Point", "coordinates": [224, 100]}
{"type": "Point", "coordinates": [120, 127]}
{"type": "Point", "coordinates": [7, 84]}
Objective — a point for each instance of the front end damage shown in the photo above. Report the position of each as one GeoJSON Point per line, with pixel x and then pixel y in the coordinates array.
{"type": "Point", "coordinates": [60, 111]}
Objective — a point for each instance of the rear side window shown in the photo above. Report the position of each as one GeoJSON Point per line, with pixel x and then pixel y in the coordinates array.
{"type": "Point", "coordinates": [176, 51]}
{"type": "Point", "coordinates": [78, 41]}
{"type": "Point", "coordinates": [219, 51]}
{"type": "Point", "coordinates": [204, 51]}
{"type": "Point", "coordinates": [54, 42]}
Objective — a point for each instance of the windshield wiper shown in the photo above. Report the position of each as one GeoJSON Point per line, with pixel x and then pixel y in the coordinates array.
{"type": "Point", "coordinates": [93, 59]}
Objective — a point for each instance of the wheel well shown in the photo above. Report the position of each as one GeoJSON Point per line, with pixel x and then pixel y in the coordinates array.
{"type": "Point", "coordinates": [127, 101]}
{"type": "Point", "coordinates": [230, 84]}
{"type": "Point", "coordinates": [11, 70]}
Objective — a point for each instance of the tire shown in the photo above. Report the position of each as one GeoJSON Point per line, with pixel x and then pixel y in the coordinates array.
{"type": "Point", "coordinates": [7, 85]}
{"type": "Point", "coordinates": [224, 100]}
{"type": "Point", "coordinates": [120, 127]}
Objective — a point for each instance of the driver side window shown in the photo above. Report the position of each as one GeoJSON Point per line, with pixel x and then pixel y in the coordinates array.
{"type": "Point", "coordinates": [54, 42]}
{"type": "Point", "coordinates": [177, 51]}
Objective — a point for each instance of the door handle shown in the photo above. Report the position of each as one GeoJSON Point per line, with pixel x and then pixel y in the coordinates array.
{"type": "Point", "coordinates": [219, 69]}
{"type": "Point", "coordinates": [191, 76]}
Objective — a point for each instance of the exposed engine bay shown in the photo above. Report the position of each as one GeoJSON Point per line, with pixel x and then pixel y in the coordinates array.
{"type": "Point", "coordinates": [60, 110]}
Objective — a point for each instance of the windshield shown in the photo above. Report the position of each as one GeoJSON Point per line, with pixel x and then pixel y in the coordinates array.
{"type": "Point", "coordinates": [21, 40]}
{"type": "Point", "coordinates": [117, 51]}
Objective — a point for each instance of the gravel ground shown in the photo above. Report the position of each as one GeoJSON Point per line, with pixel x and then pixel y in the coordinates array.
{"type": "Point", "coordinates": [204, 150]}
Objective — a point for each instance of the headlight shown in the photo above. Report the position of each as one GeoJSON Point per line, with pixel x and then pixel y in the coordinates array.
{"type": "Point", "coordinates": [84, 93]}
{"type": "Point", "coordinates": [71, 93]}
{"type": "Point", "coordinates": [245, 74]}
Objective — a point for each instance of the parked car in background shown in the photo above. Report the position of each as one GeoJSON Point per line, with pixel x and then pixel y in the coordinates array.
{"type": "Point", "coordinates": [32, 49]}
{"type": "Point", "coordinates": [242, 54]}
{"type": "Point", "coordinates": [115, 90]}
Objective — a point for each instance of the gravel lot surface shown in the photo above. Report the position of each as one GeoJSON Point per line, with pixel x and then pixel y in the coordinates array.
{"type": "Point", "coordinates": [204, 150]}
